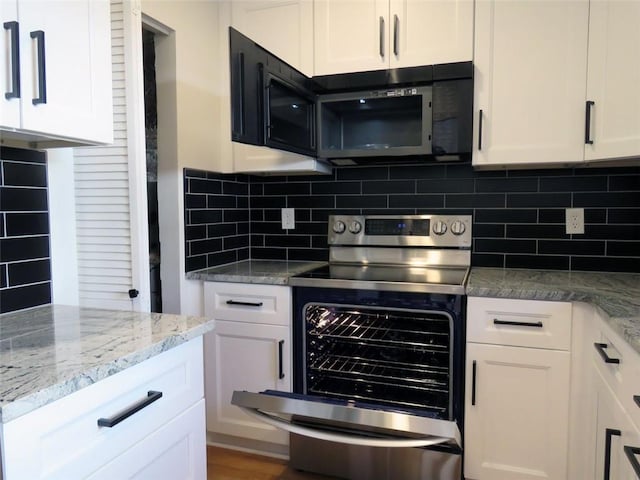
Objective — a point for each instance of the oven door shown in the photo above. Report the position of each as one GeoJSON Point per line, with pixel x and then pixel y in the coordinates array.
{"type": "Point", "coordinates": [345, 423]}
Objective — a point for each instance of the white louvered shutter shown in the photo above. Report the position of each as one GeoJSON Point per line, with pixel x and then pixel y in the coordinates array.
{"type": "Point", "coordinates": [110, 184]}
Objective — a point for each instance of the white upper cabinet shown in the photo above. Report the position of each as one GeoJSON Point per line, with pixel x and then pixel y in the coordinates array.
{"type": "Point", "coordinates": [530, 62]}
{"type": "Point", "coordinates": [284, 27]}
{"type": "Point", "coordinates": [613, 80]}
{"type": "Point", "coordinates": [361, 35]}
{"type": "Point", "coordinates": [64, 72]}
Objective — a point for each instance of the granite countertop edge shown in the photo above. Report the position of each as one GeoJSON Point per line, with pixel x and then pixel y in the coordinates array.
{"type": "Point", "coordinates": [616, 295]}
{"type": "Point", "coordinates": [266, 272]}
{"type": "Point", "coordinates": [14, 408]}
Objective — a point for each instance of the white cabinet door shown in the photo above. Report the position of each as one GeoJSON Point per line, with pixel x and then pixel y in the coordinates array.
{"type": "Point", "coordinates": [177, 450]}
{"type": "Point", "coordinates": [432, 32]}
{"type": "Point", "coordinates": [613, 79]}
{"type": "Point", "coordinates": [351, 36]}
{"type": "Point", "coordinates": [516, 414]}
{"type": "Point", "coordinates": [530, 67]}
{"type": "Point", "coordinates": [284, 27]}
{"type": "Point", "coordinates": [245, 356]}
{"type": "Point", "coordinates": [9, 45]}
{"type": "Point", "coordinates": [77, 61]}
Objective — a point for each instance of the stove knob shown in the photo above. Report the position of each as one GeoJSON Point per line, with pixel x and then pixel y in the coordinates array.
{"type": "Point", "coordinates": [458, 227]}
{"type": "Point", "coordinates": [355, 227]}
{"type": "Point", "coordinates": [439, 228]}
{"type": "Point", "coordinates": [339, 226]}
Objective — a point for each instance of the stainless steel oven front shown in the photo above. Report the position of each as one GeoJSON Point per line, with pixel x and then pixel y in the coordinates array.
{"type": "Point", "coordinates": [378, 352]}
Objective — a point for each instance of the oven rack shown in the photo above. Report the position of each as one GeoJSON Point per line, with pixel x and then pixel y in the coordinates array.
{"type": "Point", "coordinates": [427, 378]}
{"type": "Point", "coordinates": [382, 394]}
{"type": "Point", "coordinates": [376, 327]}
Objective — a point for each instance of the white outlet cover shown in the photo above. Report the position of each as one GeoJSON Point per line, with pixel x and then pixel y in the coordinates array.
{"type": "Point", "coordinates": [288, 219]}
{"type": "Point", "coordinates": [574, 221]}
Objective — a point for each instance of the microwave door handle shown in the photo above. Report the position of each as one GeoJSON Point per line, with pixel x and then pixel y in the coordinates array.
{"type": "Point", "coordinates": [267, 106]}
{"type": "Point", "coordinates": [341, 437]}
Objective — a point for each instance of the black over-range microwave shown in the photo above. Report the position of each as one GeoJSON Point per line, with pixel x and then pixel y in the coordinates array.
{"type": "Point", "coordinates": [416, 113]}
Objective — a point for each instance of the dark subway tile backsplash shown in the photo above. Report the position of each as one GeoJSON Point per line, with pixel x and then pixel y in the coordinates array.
{"type": "Point", "coordinates": [25, 265]}
{"type": "Point", "coordinates": [519, 215]}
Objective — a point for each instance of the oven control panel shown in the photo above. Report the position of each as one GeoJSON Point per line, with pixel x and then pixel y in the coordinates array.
{"type": "Point", "coordinates": [401, 230]}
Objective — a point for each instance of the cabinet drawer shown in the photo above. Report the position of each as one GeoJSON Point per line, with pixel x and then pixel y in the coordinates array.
{"type": "Point", "coordinates": [524, 323]}
{"type": "Point", "coordinates": [243, 302]}
{"type": "Point", "coordinates": [64, 438]}
{"type": "Point", "coordinates": [619, 366]}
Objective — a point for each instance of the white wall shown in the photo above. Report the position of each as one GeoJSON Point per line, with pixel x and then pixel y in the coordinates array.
{"type": "Point", "coordinates": [188, 122]}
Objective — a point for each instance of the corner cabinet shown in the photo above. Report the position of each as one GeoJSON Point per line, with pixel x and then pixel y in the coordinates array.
{"type": "Point", "coordinates": [163, 437]}
{"type": "Point", "coordinates": [556, 82]}
{"type": "Point", "coordinates": [56, 90]}
{"type": "Point", "coordinates": [353, 36]}
{"type": "Point", "coordinates": [517, 389]}
{"type": "Point", "coordinates": [250, 349]}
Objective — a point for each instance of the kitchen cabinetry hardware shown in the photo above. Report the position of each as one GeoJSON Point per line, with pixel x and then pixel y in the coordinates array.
{"type": "Point", "coordinates": [14, 30]}
{"type": "Point", "coordinates": [473, 383]}
{"type": "Point", "coordinates": [587, 125]}
{"type": "Point", "coordinates": [244, 304]}
{"type": "Point", "coordinates": [480, 130]}
{"type": "Point", "coordinates": [609, 432]}
{"type": "Point", "coordinates": [280, 367]}
{"type": "Point", "coordinates": [133, 293]}
{"type": "Point", "coordinates": [382, 37]}
{"type": "Point", "coordinates": [38, 35]}
{"type": "Point", "coordinates": [517, 324]}
{"type": "Point", "coordinates": [396, 35]}
{"type": "Point", "coordinates": [152, 396]}
{"type": "Point", "coordinates": [636, 398]}
{"type": "Point", "coordinates": [631, 453]}
{"type": "Point", "coordinates": [600, 347]}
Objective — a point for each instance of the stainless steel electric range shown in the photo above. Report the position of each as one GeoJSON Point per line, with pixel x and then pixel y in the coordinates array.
{"type": "Point", "coordinates": [378, 351]}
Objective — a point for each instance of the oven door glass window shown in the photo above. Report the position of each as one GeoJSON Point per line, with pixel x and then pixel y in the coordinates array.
{"type": "Point", "coordinates": [290, 117]}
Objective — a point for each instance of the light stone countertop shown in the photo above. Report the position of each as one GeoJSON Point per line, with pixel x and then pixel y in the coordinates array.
{"type": "Point", "coordinates": [270, 272]}
{"type": "Point", "coordinates": [617, 295]}
{"type": "Point", "coordinates": [52, 351]}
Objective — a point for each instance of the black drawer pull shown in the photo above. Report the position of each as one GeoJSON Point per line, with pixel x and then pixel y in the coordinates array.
{"type": "Point", "coordinates": [38, 35]}
{"type": "Point", "coordinates": [280, 366]}
{"type": "Point", "coordinates": [631, 453]}
{"type": "Point", "coordinates": [600, 347]}
{"type": "Point", "coordinates": [244, 304]}
{"type": "Point", "coordinates": [517, 324]}
{"type": "Point", "coordinates": [587, 126]}
{"type": "Point", "coordinates": [473, 383]}
{"type": "Point", "coordinates": [152, 396]}
{"type": "Point", "coordinates": [608, 433]}
{"type": "Point", "coordinates": [14, 29]}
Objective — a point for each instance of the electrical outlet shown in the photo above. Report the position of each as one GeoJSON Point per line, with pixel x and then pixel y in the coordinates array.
{"type": "Point", "coordinates": [575, 220]}
{"type": "Point", "coordinates": [288, 219]}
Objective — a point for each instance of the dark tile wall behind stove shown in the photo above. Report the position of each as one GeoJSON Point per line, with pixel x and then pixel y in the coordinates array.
{"type": "Point", "coordinates": [518, 215]}
{"type": "Point", "coordinates": [25, 265]}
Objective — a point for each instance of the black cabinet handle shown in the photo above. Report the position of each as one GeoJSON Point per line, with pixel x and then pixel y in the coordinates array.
{"type": "Point", "coordinates": [396, 35]}
{"type": "Point", "coordinates": [244, 304]}
{"type": "Point", "coordinates": [151, 397]}
{"type": "Point", "coordinates": [631, 453]}
{"type": "Point", "coordinates": [14, 28]}
{"type": "Point", "coordinates": [600, 347]}
{"type": "Point", "coordinates": [280, 353]}
{"type": "Point", "coordinates": [382, 37]}
{"type": "Point", "coordinates": [587, 125]}
{"type": "Point", "coordinates": [517, 324]}
{"type": "Point", "coordinates": [473, 383]}
{"type": "Point", "coordinates": [42, 73]}
{"type": "Point", "coordinates": [609, 432]}
{"type": "Point", "coordinates": [480, 130]}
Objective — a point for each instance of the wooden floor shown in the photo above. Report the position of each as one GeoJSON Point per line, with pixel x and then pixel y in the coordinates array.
{"type": "Point", "coordinates": [223, 464]}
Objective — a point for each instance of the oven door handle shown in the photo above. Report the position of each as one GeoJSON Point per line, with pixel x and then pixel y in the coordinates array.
{"type": "Point", "coordinates": [342, 437]}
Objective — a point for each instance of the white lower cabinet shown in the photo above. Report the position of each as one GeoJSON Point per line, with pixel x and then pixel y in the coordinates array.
{"type": "Point", "coordinates": [250, 349]}
{"type": "Point", "coordinates": [63, 440]}
{"type": "Point", "coordinates": [517, 394]}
